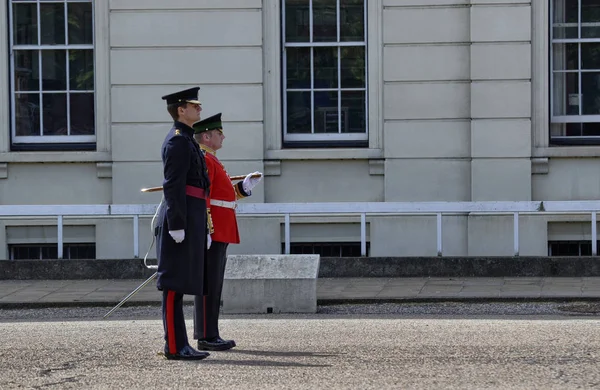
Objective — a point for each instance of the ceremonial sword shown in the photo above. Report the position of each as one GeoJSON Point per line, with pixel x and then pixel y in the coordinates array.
{"type": "Point", "coordinates": [141, 286]}
{"type": "Point", "coordinates": [151, 278]}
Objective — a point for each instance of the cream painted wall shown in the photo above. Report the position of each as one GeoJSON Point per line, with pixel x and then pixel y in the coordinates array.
{"type": "Point", "coordinates": [150, 58]}
{"type": "Point", "coordinates": [54, 184]}
{"type": "Point", "coordinates": [452, 86]}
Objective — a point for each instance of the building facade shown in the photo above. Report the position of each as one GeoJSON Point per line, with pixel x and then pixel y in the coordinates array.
{"type": "Point", "coordinates": [334, 100]}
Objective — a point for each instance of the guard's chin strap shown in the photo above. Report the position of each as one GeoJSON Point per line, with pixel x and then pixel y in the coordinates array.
{"type": "Point", "coordinates": [153, 230]}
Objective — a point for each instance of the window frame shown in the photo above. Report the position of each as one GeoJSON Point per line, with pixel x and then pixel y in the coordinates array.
{"type": "Point", "coordinates": [312, 137]}
{"type": "Point", "coordinates": [566, 119]}
{"type": "Point", "coordinates": [47, 152]}
{"type": "Point", "coordinates": [56, 139]}
{"type": "Point", "coordinates": [272, 94]}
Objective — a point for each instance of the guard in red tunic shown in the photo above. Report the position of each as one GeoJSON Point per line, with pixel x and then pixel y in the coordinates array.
{"type": "Point", "coordinates": [223, 230]}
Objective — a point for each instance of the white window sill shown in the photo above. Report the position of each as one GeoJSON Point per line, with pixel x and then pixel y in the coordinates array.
{"type": "Point", "coordinates": [567, 151]}
{"type": "Point", "coordinates": [324, 154]}
{"type": "Point", "coordinates": [58, 156]}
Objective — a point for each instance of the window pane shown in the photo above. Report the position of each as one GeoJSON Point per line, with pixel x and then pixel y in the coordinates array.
{"type": "Point", "coordinates": [575, 129]}
{"type": "Point", "coordinates": [25, 252]}
{"type": "Point", "coordinates": [565, 56]}
{"type": "Point", "coordinates": [352, 20]}
{"type": "Point", "coordinates": [590, 129]}
{"type": "Point", "coordinates": [324, 21]}
{"type": "Point", "coordinates": [566, 94]}
{"type": "Point", "coordinates": [326, 70]}
{"type": "Point", "coordinates": [54, 77]}
{"type": "Point", "coordinates": [79, 251]}
{"type": "Point", "coordinates": [590, 18]}
{"type": "Point", "coordinates": [81, 70]}
{"type": "Point", "coordinates": [49, 252]}
{"type": "Point", "coordinates": [27, 70]}
{"type": "Point", "coordinates": [353, 112]}
{"type": "Point", "coordinates": [326, 112]}
{"type": "Point", "coordinates": [80, 23]}
{"type": "Point", "coordinates": [52, 17]}
{"type": "Point", "coordinates": [25, 24]}
{"type": "Point", "coordinates": [590, 91]}
{"type": "Point", "coordinates": [27, 114]}
{"type": "Point", "coordinates": [297, 21]}
{"type": "Point", "coordinates": [353, 67]}
{"type": "Point", "coordinates": [558, 129]}
{"type": "Point", "coordinates": [565, 19]}
{"type": "Point", "coordinates": [82, 113]}
{"type": "Point", "coordinates": [590, 56]}
{"type": "Point", "coordinates": [298, 112]}
{"type": "Point", "coordinates": [55, 113]}
{"type": "Point", "coordinates": [298, 67]}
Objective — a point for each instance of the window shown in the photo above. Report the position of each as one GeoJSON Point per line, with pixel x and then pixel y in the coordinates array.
{"type": "Point", "coordinates": [325, 249]}
{"type": "Point", "coordinates": [50, 251]}
{"type": "Point", "coordinates": [324, 72]}
{"type": "Point", "coordinates": [52, 72]}
{"type": "Point", "coordinates": [575, 76]}
{"type": "Point", "coordinates": [570, 248]}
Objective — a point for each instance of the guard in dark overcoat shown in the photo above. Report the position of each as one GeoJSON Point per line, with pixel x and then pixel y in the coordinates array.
{"type": "Point", "coordinates": [182, 222]}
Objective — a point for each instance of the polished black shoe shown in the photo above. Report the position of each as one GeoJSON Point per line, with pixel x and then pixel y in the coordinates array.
{"type": "Point", "coordinates": [187, 353]}
{"type": "Point", "coordinates": [216, 344]}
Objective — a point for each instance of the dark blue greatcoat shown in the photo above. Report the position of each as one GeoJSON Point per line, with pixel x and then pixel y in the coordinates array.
{"type": "Point", "coordinates": [181, 266]}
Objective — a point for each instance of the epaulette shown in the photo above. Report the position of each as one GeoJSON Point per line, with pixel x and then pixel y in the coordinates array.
{"type": "Point", "coordinates": [177, 132]}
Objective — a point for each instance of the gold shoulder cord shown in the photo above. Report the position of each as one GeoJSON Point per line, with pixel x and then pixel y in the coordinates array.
{"type": "Point", "coordinates": [209, 222]}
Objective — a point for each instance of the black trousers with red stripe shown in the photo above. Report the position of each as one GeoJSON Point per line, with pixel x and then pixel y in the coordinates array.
{"type": "Point", "coordinates": [173, 322]}
{"type": "Point", "coordinates": [206, 308]}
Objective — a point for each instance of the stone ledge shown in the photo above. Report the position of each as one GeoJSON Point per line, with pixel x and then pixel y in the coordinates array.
{"type": "Point", "coordinates": [73, 269]}
{"type": "Point", "coordinates": [330, 267]}
{"type": "Point", "coordinates": [270, 284]}
{"type": "Point", "coordinates": [460, 267]}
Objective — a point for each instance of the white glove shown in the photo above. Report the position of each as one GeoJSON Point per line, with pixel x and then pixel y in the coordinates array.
{"type": "Point", "coordinates": [178, 235]}
{"type": "Point", "coordinates": [250, 182]}
{"type": "Point", "coordinates": [208, 241]}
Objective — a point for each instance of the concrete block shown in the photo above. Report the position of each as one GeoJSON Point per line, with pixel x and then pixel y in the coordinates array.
{"type": "Point", "coordinates": [270, 284]}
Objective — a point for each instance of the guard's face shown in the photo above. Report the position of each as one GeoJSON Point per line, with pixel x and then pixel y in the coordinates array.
{"type": "Point", "coordinates": [191, 112]}
{"type": "Point", "coordinates": [215, 139]}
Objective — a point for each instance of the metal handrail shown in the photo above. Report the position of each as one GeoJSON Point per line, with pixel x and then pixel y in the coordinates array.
{"type": "Point", "coordinates": [362, 209]}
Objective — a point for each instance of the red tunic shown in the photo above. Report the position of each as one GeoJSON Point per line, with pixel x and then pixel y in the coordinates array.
{"type": "Point", "coordinates": [223, 219]}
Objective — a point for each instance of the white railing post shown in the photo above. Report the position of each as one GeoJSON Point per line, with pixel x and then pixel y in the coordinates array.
{"type": "Point", "coordinates": [363, 234]}
{"type": "Point", "coordinates": [439, 234]}
{"type": "Point", "coordinates": [516, 233]}
{"type": "Point", "coordinates": [59, 229]}
{"type": "Point", "coordinates": [136, 236]}
{"type": "Point", "coordinates": [594, 236]}
{"type": "Point", "coordinates": [287, 234]}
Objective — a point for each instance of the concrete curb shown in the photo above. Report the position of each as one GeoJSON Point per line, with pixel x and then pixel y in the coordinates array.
{"type": "Point", "coordinates": [489, 267]}
{"type": "Point", "coordinates": [320, 302]}
{"type": "Point", "coordinates": [330, 267]}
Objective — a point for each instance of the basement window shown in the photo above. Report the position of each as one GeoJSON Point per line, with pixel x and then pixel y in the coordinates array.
{"type": "Point", "coordinates": [325, 249]}
{"type": "Point", "coordinates": [570, 248]}
{"type": "Point", "coordinates": [50, 251]}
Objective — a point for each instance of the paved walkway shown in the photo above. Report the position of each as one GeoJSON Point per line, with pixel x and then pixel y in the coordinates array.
{"type": "Point", "coordinates": [39, 292]}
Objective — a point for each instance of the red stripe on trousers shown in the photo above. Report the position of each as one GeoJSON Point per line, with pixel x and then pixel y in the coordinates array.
{"type": "Point", "coordinates": [204, 314]}
{"type": "Point", "coordinates": [171, 322]}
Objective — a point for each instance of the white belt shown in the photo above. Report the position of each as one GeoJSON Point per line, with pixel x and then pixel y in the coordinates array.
{"type": "Point", "coordinates": [223, 203]}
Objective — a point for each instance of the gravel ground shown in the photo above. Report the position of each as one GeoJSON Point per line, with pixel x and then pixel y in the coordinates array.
{"type": "Point", "coordinates": [322, 351]}
{"type": "Point", "coordinates": [460, 309]}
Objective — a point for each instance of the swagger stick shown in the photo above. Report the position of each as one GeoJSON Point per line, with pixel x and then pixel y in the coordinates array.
{"type": "Point", "coordinates": [156, 189]}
